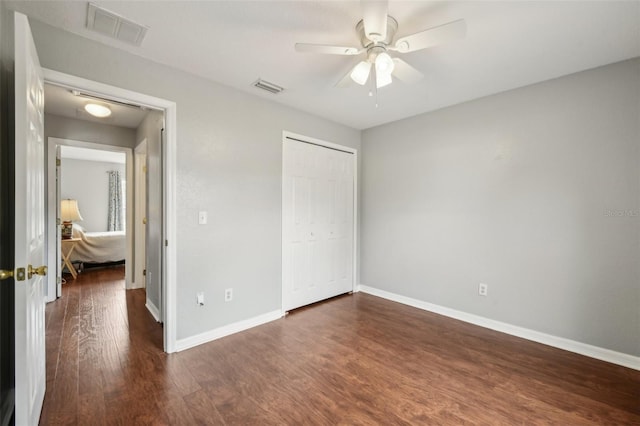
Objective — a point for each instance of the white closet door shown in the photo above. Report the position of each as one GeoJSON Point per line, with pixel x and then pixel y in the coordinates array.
{"type": "Point", "coordinates": [317, 223]}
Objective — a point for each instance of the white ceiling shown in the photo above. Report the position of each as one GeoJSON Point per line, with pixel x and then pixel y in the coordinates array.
{"type": "Point", "coordinates": [61, 101]}
{"type": "Point", "coordinates": [509, 44]}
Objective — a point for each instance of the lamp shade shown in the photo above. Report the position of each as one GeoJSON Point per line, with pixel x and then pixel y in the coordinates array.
{"type": "Point", "coordinates": [69, 211]}
{"type": "Point", "coordinates": [384, 63]}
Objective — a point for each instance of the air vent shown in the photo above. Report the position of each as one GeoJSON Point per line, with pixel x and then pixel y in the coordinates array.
{"type": "Point", "coordinates": [115, 26]}
{"type": "Point", "coordinates": [269, 87]}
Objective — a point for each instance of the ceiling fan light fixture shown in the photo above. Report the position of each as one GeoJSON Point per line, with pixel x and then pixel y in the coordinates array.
{"type": "Point", "coordinates": [384, 63]}
{"type": "Point", "coordinates": [97, 110]}
{"type": "Point", "coordinates": [360, 73]}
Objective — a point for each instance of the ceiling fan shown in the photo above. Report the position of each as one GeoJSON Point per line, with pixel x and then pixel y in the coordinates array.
{"type": "Point", "coordinates": [376, 31]}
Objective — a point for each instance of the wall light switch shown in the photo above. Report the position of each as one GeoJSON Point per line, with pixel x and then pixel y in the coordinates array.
{"type": "Point", "coordinates": [202, 218]}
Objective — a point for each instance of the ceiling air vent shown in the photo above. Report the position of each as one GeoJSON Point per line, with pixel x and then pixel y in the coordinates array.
{"type": "Point", "coordinates": [269, 87]}
{"type": "Point", "coordinates": [115, 26]}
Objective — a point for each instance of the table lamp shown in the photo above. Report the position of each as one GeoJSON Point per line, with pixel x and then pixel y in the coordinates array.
{"type": "Point", "coordinates": [68, 213]}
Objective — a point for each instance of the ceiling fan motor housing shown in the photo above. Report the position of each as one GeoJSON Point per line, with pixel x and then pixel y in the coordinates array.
{"type": "Point", "coordinates": [392, 27]}
{"type": "Point", "coordinates": [373, 51]}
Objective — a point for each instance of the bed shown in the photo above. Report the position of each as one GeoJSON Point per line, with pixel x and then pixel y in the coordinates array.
{"type": "Point", "coordinates": [98, 247]}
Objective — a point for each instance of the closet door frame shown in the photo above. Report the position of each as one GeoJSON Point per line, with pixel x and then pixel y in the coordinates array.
{"type": "Point", "coordinates": [286, 260]}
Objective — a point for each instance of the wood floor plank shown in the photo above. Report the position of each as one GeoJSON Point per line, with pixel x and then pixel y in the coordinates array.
{"type": "Point", "coordinates": [352, 360]}
{"type": "Point", "coordinates": [203, 409]}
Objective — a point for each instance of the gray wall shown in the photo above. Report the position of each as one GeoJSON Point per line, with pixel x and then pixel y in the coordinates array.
{"type": "Point", "coordinates": [150, 129]}
{"type": "Point", "coordinates": [88, 182]}
{"type": "Point", "coordinates": [229, 162]}
{"type": "Point", "coordinates": [534, 191]}
{"type": "Point", "coordinates": [70, 128]}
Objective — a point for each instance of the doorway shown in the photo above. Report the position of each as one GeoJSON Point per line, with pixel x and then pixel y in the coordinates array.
{"type": "Point", "coordinates": [167, 276]}
{"type": "Point", "coordinates": [82, 173]}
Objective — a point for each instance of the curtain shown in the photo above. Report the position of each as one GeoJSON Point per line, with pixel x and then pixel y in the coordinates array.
{"type": "Point", "coordinates": [116, 214]}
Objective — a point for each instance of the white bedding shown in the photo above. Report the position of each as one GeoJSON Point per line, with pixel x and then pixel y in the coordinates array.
{"type": "Point", "coordinates": [98, 247]}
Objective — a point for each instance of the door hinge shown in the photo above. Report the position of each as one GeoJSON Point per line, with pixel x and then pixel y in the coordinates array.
{"type": "Point", "coordinates": [58, 280]}
{"type": "Point", "coordinates": [166, 243]}
{"type": "Point", "coordinates": [58, 222]}
{"type": "Point", "coordinates": [144, 169]}
{"type": "Point", "coordinates": [58, 162]}
{"type": "Point", "coordinates": [144, 272]}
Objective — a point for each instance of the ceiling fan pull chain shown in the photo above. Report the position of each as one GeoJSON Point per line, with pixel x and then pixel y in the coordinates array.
{"type": "Point", "coordinates": [374, 84]}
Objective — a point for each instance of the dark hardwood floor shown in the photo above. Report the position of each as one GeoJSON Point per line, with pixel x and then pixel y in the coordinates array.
{"type": "Point", "coordinates": [351, 360]}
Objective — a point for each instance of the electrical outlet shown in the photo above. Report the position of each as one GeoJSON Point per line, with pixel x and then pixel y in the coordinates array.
{"type": "Point", "coordinates": [483, 289]}
{"type": "Point", "coordinates": [200, 299]}
{"type": "Point", "coordinates": [228, 295]}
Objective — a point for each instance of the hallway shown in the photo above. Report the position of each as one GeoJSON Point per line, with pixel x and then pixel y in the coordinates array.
{"type": "Point", "coordinates": [92, 361]}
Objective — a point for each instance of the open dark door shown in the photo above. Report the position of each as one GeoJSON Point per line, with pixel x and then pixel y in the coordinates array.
{"type": "Point", "coordinates": [7, 315]}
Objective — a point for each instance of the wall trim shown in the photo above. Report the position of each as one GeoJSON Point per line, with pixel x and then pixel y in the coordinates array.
{"type": "Point", "coordinates": [153, 310]}
{"type": "Point", "coordinates": [591, 351]}
{"type": "Point", "coordinates": [135, 286]}
{"type": "Point", "coordinates": [227, 330]}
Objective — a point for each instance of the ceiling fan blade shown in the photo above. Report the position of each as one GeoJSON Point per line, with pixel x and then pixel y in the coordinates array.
{"type": "Point", "coordinates": [432, 37]}
{"type": "Point", "coordinates": [346, 80]}
{"type": "Point", "coordinates": [383, 79]}
{"type": "Point", "coordinates": [327, 49]}
{"type": "Point", "coordinates": [405, 72]}
{"type": "Point", "coordinates": [374, 17]}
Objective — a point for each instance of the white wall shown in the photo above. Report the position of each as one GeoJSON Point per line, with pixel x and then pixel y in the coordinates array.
{"type": "Point", "coordinates": [87, 131]}
{"type": "Point", "coordinates": [88, 182]}
{"type": "Point", "coordinates": [535, 192]}
{"type": "Point", "coordinates": [229, 163]}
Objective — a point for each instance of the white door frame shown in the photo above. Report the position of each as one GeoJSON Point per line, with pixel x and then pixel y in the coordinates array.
{"type": "Point", "coordinates": [140, 213]}
{"type": "Point", "coordinates": [307, 139]}
{"type": "Point", "coordinates": [169, 279]}
{"type": "Point", "coordinates": [54, 200]}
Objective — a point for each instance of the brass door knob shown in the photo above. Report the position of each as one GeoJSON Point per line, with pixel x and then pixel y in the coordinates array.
{"type": "Point", "coordinates": [5, 274]}
{"type": "Point", "coordinates": [41, 270]}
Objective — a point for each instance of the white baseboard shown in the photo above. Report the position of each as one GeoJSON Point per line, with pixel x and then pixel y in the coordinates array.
{"type": "Point", "coordinates": [226, 330]}
{"type": "Point", "coordinates": [155, 312]}
{"type": "Point", "coordinates": [134, 286]}
{"type": "Point", "coordinates": [607, 355]}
